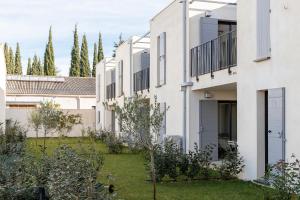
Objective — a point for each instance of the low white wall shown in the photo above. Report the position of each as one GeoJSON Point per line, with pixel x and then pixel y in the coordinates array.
{"type": "Point", "coordinates": [22, 115]}
{"type": "Point", "coordinates": [2, 84]}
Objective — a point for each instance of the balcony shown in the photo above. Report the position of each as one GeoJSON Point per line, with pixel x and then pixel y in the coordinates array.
{"type": "Point", "coordinates": [111, 91]}
{"type": "Point", "coordinates": [214, 55]}
{"type": "Point", "coordinates": [141, 80]}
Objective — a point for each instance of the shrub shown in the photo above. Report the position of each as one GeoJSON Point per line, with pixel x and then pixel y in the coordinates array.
{"type": "Point", "coordinates": [232, 164]}
{"type": "Point", "coordinates": [284, 177]}
{"type": "Point", "coordinates": [114, 144]}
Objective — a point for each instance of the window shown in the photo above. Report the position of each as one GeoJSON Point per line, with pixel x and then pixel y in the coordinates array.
{"type": "Point", "coordinates": [99, 117]}
{"type": "Point", "coordinates": [121, 91]}
{"type": "Point", "coordinates": [161, 61]}
{"type": "Point", "coordinates": [98, 87]}
{"type": "Point", "coordinates": [263, 30]}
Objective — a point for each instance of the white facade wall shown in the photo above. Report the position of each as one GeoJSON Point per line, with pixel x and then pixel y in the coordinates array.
{"type": "Point", "coordinates": [253, 77]}
{"type": "Point", "coordinates": [2, 84]}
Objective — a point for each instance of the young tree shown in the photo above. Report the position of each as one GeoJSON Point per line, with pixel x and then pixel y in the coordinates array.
{"type": "Point", "coordinates": [75, 56]}
{"type": "Point", "coordinates": [117, 44]}
{"type": "Point", "coordinates": [18, 64]}
{"type": "Point", "coordinates": [11, 67]}
{"type": "Point", "coordinates": [95, 60]}
{"type": "Point", "coordinates": [29, 67]}
{"type": "Point", "coordinates": [49, 63]}
{"type": "Point", "coordinates": [84, 59]}
{"type": "Point", "coordinates": [50, 118]}
{"type": "Point", "coordinates": [142, 121]}
{"type": "Point", "coordinates": [100, 48]}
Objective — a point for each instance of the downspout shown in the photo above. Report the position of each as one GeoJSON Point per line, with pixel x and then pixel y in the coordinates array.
{"type": "Point", "coordinates": [184, 96]}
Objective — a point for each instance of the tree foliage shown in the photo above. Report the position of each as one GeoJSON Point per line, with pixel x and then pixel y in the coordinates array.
{"type": "Point", "coordinates": [7, 58]}
{"type": "Point", "coordinates": [75, 56]}
{"type": "Point", "coordinates": [100, 48]}
{"type": "Point", "coordinates": [29, 67]}
{"type": "Point", "coordinates": [11, 68]}
{"type": "Point", "coordinates": [18, 64]}
{"type": "Point", "coordinates": [49, 62]}
{"type": "Point", "coordinates": [84, 58]}
{"type": "Point", "coordinates": [95, 60]}
{"type": "Point", "coordinates": [117, 44]}
{"type": "Point", "coordinates": [37, 68]}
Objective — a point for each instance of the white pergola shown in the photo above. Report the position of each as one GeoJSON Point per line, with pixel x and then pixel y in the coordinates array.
{"type": "Point", "coordinates": [205, 6]}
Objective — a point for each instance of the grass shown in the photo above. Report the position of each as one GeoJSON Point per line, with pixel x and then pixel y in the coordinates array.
{"type": "Point", "coordinates": [129, 178]}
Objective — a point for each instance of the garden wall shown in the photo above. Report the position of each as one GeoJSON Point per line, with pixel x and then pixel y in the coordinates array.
{"type": "Point", "coordinates": [22, 115]}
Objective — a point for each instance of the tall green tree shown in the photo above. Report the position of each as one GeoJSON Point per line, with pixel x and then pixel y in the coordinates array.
{"type": "Point", "coordinates": [18, 64]}
{"type": "Point", "coordinates": [37, 66]}
{"type": "Point", "coordinates": [11, 62]}
{"type": "Point", "coordinates": [75, 56]}
{"type": "Point", "coordinates": [84, 58]}
{"type": "Point", "coordinates": [95, 60]}
{"type": "Point", "coordinates": [29, 67]}
{"type": "Point", "coordinates": [7, 58]}
{"type": "Point", "coordinates": [100, 48]}
{"type": "Point", "coordinates": [49, 62]}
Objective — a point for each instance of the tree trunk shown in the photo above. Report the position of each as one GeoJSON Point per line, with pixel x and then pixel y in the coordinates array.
{"type": "Point", "coordinates": [153, 174]}
{"type": "Point", "coordinates": [37, 136]}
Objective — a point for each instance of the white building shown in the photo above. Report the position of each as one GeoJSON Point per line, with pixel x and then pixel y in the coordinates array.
{"type": "Point", "coordinates": [229, 73]}
{"type": "Point", "coordinates": [121, 77]}
{"type": "Point", "coordinates": [74, 95]}
{"type": "Point", "coordinates": [2, 84]}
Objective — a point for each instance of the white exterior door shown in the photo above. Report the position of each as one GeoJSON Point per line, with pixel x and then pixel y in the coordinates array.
{"type": "Point", "coordinates": [208, 129]}
{"type": "Point", "coordinates": [276, 125]}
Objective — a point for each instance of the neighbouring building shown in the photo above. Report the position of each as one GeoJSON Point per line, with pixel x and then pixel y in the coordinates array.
{"type": "Point", "coordinates": [75, 95]}
{"type": "Point", "coordinates": [228, 71]}
{"type": "Point", "coordinates": [2, 84]}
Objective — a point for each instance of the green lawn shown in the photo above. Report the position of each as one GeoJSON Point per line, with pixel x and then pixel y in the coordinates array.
{"type": "Point", "coordinates": [129, 178]}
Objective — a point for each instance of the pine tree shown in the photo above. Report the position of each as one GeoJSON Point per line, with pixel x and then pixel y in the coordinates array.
{"type": "Point", "coordinates": [95, 60]}
{"type": "Point", "coordinates": [84, 59]}
{"type": "Point", "coordinates": [7, 58]}
{"type": "Point", "coordinates": [100, 48]}
{"type": "Point", "coordinates": [49, 63]}
{"type": "Point", "coordinates": [29, 67]}
{"type": "Point", "coordinates": [11, 62]}
{"type": "Point", "coordinates": [18, 64]}
{"type": "Point", "coordinates": [40, 68]}
{"type": "Point", "coordinates": [75, 56]}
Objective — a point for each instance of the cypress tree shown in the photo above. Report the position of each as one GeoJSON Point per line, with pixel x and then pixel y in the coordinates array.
{"type": "Point", "coordinates": [18, 64]}
{"type": "Point", "coordinates": [95, 60]}
{"type": "Point", "coordinates": [75, 56]}
{"type": "Point", "coordinates": [37, 66]}
{"type": "Point", "coordinates": [84, 59]}
{"type": "Point", "coordinates": [29, 67]}
{"type": "Point", "coordinates": [100, 48]}
{"type": "Point", "coordinates": [49, 63]}
{"type": "Point", "coordinates": [11, 62]}
{"type": "Point", "coordinates": [7, 58]}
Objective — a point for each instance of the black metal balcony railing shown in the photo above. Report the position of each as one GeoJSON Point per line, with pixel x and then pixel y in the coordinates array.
{"type": "Point", "coordinates": [111, 91]}
{"type": "Point", "coordinates": [141, 80]}
{"type": "Point", "coordinates": [214, 55]}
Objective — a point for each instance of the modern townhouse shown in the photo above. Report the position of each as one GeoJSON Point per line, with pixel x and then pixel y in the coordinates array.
{"type": "Point", "coordinates": [121, 77]}
{"type": "Point", "coordinates": [228, 72]}
{"type": "Point", "coordinates": [2, 84]}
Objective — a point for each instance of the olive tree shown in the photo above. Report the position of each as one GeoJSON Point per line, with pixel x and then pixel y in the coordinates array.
{"type": "Point", "coordinates": [50, 119]}
{"type": "Point", "coordinates": [142, 121]}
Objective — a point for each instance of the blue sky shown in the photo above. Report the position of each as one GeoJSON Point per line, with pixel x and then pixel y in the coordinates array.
{"type": "Point", "coordinates": [28, 22]}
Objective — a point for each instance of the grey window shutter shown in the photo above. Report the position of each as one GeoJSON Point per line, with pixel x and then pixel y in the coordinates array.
{"type": "Point", "coordinates": [98, 87]}
{"type": "Point", "coordinates": [263, 29]}
{"type": "Point", "coordinates": [145, 60]}
{"type": "Point", "coordinates": [163, 130]}
{"type": "Point", "coordinates": [208, 125]}
{"type": "Point", "coordinates": [208, 29]}
{"type": "Point", "coordinates": [120, 78]}
{"type": "Point", "coordinates": [276, 125]}
{"type": "Point", "coordinates": [162, 59]}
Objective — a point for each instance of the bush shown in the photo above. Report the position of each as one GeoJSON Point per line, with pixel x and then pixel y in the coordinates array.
{"type": "Point", "coordinates": [284, 177]}
{"type": "Point", "coordinates": [232, 164]}
{"type": "Point", "coordinates": [114, 144]}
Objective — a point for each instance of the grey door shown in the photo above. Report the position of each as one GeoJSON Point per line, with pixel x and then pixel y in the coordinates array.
{"type": "Point", "coordinates": [208, 129]}
{"type": "Point", "coordinates": [276, 125]}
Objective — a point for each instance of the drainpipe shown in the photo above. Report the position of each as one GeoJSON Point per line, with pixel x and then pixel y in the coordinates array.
{"type": "Point", "coordinates": [184, 96]}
